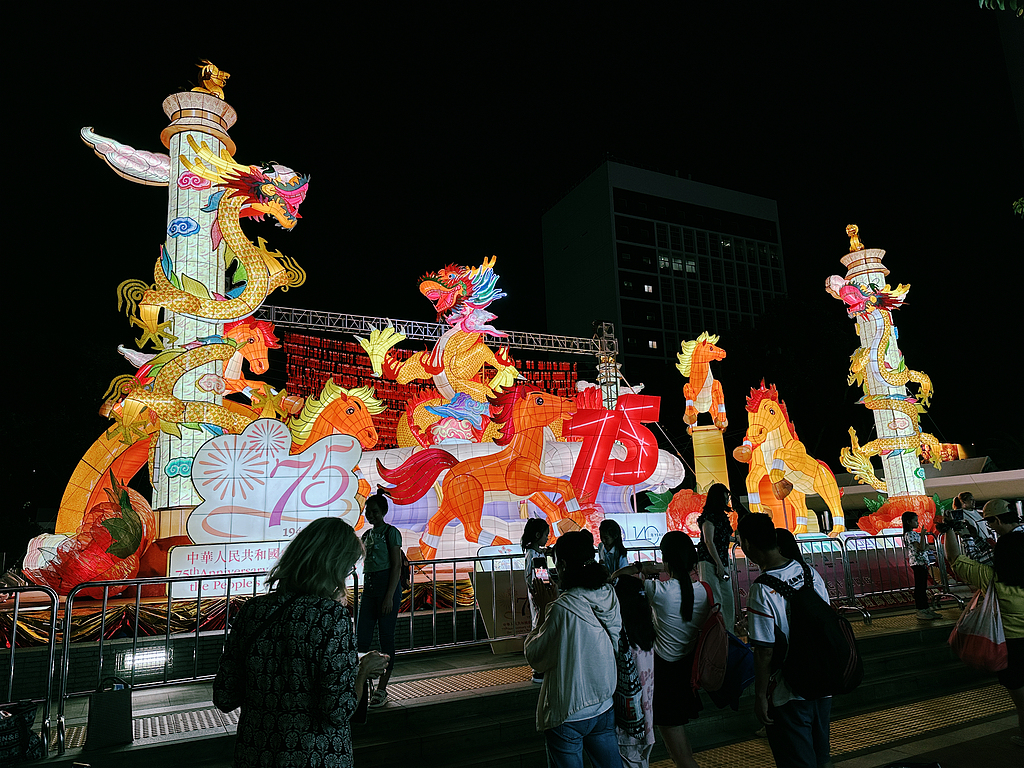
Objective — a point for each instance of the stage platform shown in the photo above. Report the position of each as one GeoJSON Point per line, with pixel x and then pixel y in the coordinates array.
{"type": "Point", "coordinates": [473, 707]}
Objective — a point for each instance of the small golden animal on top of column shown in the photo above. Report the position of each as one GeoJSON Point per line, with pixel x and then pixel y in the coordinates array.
{"type": "Point", "coordinates": [211, 79]}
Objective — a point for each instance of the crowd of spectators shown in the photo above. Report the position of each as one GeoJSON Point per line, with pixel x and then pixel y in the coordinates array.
{"type": "Point", "coordinates": [291, 663]}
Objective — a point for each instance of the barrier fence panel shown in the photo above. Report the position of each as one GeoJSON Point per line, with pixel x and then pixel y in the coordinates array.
{"type": "Point", "coordinates": [946, 582]}
{"type": "Point", "coordinates": [10, 637]}
{"type": "Point", "coordinates": [484, 597]}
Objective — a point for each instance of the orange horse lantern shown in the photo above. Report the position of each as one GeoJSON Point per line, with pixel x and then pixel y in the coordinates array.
{"type": "Point", "coordinates": [703, 392]}
{"type": "Point", "coordinates": [781, 472]}
{"type": "Point", "coordinates": [523, 412]}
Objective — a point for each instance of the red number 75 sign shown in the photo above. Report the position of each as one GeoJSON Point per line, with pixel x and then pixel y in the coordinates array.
{"type": "Point", "coordinates": [600, 430]}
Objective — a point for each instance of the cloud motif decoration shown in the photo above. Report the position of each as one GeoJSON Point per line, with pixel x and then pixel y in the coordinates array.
{"type": "Point", "coordinates": [182, 226]}
{"type": "Point", "coordinates": [181, 466]}
{"type": "Point", "coordinates": [190, 180]}
{"type": "Point", "coordinates": [253, 489]}
{"type": "Point", "coordinates": [462, 406]}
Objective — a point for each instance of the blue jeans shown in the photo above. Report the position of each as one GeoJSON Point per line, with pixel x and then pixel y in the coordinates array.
{"type": "Point", "coordinates": [370, 616]}
{"type": "Point", "coordinates": [799, 736]}
{"type": "Point", "coordinates": [565, 743]}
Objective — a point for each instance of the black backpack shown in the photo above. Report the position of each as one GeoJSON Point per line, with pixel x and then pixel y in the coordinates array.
{"type": "Point", "coordinates": [820, 658]}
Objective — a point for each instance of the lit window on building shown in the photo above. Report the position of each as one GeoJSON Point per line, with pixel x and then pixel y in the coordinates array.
{"type": "Point", "coordinates": [691, 266]}
{"type": "Point", "coordinates": [648, 289]}
{"type": "Point", "coordinates": [652, 344]}
{"type": "Point", "coordinates": [677, 264]}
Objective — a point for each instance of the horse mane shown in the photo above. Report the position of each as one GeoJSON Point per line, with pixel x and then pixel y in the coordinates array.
{"type": "Point", "coordinates": [302, 425]}
{"type": "Point", "coordinates": [770, 393]}
{"type": "Point", "coordinates": [686, 356]}
{"type": "Point", "coordinates": [264, 327]}
{"type": "Point", "coordinates": [502, 408]}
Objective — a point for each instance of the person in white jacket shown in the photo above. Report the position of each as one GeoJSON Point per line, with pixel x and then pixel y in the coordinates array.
{"type": "Point", "coordinates": [573, 647]}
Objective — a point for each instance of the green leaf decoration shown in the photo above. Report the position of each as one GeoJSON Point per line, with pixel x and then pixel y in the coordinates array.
{"type": "Point", "coordinates": [173, 278]}
{"type": "Point", "coordinates": [874, 505]}
{"type": "Point", "coordinates": [126, 531]}
{"type": "Point", "coordinates": [170, 428]}
{"type": "Point", "coordinates": [942, 505]}
{"type": "Point", "coordinates": [240, 272]}
{"type": "Point", "coordinates": [659, 502]}
{"type": "Point", "coordinates": [189, 285]}
{"type": "Point", "coordinates": [191, 425]}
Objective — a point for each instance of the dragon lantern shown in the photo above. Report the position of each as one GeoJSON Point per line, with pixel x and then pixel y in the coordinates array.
{"type": "Point", "coordinates": [209, 280]}
{"type": "Point", "coordinates": [459, 407]}
{"type": "Point", "coordinates": [879, 368]}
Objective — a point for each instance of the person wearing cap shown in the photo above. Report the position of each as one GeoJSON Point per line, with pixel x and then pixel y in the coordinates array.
{"type": "Point", "coordinates": [974, 534]}
{"type": "Point", "coordinates": [1001, 517]}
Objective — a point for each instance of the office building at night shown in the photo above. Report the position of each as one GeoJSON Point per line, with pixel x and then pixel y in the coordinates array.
{"type": "Point", "coordinates": [661, 257]}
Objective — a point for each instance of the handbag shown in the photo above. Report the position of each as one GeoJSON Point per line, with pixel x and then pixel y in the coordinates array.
{"type": "Point", "coordinates": [978, 637]}
{"type": "Point", "coordinates": [17, 740]}
{"type": "Point", "coordinates": [110, 715]}
{"type": "Point", "coordinates": [629, 712]}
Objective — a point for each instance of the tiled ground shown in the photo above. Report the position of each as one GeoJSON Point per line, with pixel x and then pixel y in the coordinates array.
{"type": "Point", "coordinates": [878, 738]}
{"type": "Point", "coordinates": [938, 728]}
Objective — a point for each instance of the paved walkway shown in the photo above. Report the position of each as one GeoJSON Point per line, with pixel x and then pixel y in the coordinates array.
{"type": "Point", "coordinates": [178, 725]}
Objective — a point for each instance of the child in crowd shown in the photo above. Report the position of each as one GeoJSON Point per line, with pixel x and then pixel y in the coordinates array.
{"type": "Point", "coordinates": [534, 543]}
{"type": "Point", "coordinates": [917, 558]}
{"type": "Point", "coordinates": [612, 552]}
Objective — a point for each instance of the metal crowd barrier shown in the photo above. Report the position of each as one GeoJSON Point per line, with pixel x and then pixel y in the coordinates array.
{"type": "Point", "coordinates": [432, 575]}
{"type": "Point", "coordinates": [881, 569]}
{"type": "Point", "coordinates": [453, 576]}
{"type": "Point", "coordinates": [54, 602]}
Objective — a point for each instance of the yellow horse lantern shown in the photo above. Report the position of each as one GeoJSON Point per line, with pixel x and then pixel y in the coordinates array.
{"type": "Point", "coordinates": [781, 472]}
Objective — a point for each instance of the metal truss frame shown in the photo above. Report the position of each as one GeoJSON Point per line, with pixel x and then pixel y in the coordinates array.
{"type": "Point", "coordinates": [362, 325]}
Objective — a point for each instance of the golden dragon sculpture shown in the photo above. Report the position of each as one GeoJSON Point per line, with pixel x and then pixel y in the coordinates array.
{"type": "Point", "coordinates": [874, 305]}
{"type": "Point", "coordinates": [252, 191]}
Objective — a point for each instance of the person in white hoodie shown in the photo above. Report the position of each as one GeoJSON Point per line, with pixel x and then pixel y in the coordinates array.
{"type": "Point", "coordinates": [573, 645]}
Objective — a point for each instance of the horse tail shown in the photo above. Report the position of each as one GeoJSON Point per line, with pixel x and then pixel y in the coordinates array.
{"type": "Point", "coordinates": [413, 478]}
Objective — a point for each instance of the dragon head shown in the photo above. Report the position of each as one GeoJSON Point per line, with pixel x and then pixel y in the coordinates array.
{"type": "Point", "coordinates": [267, 189]}
{"type": "Point", "coordinates": [272, 189]}
{"type": "Point", "coordinates": [861, 301]}
{"type": "Point", "coordinates": [459, 292]}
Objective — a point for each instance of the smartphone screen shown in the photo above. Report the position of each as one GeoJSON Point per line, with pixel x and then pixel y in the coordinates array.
{"type": "Point", "coordinates": [542, 574]}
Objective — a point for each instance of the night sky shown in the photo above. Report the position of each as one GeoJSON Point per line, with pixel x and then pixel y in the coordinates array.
{"type": "Point", "coordinates": [433, 138]}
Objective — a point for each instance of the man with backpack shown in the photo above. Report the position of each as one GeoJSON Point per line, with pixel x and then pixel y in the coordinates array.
{"type": "Point", "coordinates": [781, 618]}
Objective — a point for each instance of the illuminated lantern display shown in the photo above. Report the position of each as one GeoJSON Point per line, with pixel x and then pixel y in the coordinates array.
{"type": "Point", "coordinates": [494, 437]}
{"type": "Point", "coordinates": [242, 478]}
{"type": "Point", "coordinates": [704, 395]}
{"type": "Point", "coordinates": [781, 472]}
{"type": "Point", "coordinates": [459, 409]}
{"type": "Point", "coordinates": [878, 366]}
{"type": "Point", "coordinates": [209, 278]}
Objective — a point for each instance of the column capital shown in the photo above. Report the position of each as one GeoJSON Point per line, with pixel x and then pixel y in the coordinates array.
{"type": "Point", "coordinates": [200, 112]}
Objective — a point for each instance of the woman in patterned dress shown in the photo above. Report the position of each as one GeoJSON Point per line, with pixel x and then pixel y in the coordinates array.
{"type": "Point", "coordinates": [290, 660]}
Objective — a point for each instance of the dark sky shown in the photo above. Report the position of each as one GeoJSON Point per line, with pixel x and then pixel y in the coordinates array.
{"type": "Point", "coordinates": [435, 137]}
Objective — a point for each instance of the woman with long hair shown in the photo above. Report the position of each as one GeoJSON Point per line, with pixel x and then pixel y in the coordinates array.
{"type": "Point", "coordinates": [574, 646]}
{"type": "Point", "coordinates": [290, 662]}
{"type": "Point", "coordinates": [611, 551]}
{"type": "Point", "coordinates": [534, 541]}
{"type": "Point", "coordinates": [713, 551]}
{"type": "Point", "coordinates": [382, 591]}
